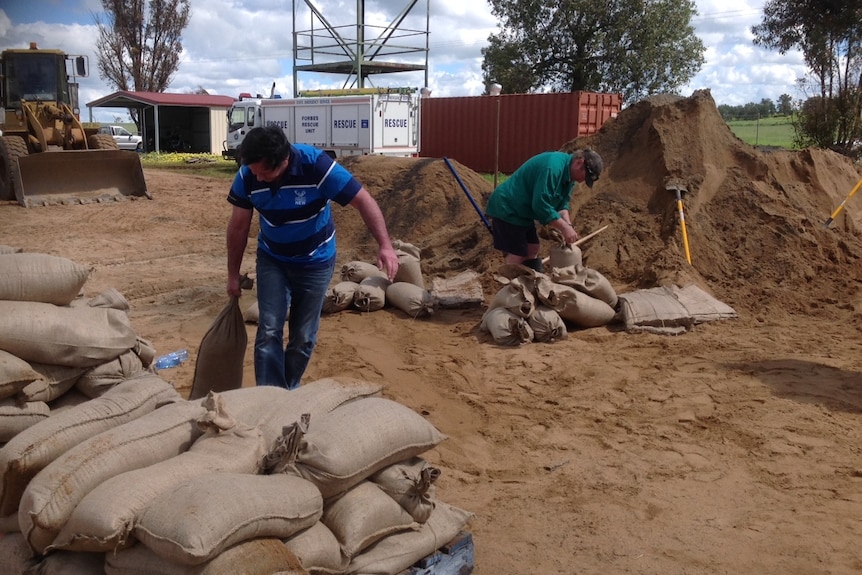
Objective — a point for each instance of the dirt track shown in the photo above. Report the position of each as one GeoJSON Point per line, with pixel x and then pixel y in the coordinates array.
{"type": "Point", "coordinates": [734, 448]}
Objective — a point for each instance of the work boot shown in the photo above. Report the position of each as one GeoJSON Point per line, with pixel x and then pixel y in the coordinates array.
{"type": "Point", "coordinates": [534, 264]}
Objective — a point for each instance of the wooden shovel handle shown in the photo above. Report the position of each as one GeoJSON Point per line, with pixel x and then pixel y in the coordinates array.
{"type": "Point", "coordinates": [582, 240]}
{"type": "Point", "coordinates": [588, 236]}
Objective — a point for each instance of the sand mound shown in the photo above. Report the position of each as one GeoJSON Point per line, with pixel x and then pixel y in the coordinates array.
{"type": "Point", "coordinates": [754, 217]}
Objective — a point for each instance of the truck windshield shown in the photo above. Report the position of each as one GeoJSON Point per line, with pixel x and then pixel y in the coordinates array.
{"type": "Point", "coordinates": [33, 77]}
{"type": "Point", "coordinates": [239, 116]}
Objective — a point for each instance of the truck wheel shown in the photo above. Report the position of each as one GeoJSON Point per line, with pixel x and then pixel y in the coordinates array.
{"type": "Point", "coordinates": [11, 148]}
{"type": "Point", "coordinates": [102, 142]}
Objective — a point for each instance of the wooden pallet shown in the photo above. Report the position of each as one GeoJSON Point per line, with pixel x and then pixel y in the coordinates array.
{"type": "Point", "coordinates": [454, 558]}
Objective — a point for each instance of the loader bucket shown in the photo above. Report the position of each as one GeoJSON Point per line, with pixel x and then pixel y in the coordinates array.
{"type": "Point", "coordinates": [79, 177]}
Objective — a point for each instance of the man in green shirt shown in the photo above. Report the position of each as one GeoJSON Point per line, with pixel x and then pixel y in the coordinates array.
{"type": "Point", "coordinates": [539, 191]}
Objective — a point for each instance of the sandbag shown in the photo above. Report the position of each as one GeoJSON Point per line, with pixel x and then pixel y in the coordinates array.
{"type": "Point", "coordinates": [68, 563]}
{"type": "Point", "coordinates": [586, 280]}
{"type": "Point", "coordinates": [357, 271]}
{"type": "Point", "coordinates": [506, 327]}
{"type": "Point", "coordinates": [563, 256]}
{"type": "Point", "coordinates": [33, 277]}
{"type": "Point", "coordinates": [34, 448]}
{"type": "Point", "coordinates": [270, 506]}
{"type": "Point", "coordinates": [145, 351]}
{"type": "Point", "coordinates": [111, 298]}
{"type": "Point", "coordinates": [51, 496]}
{"type": "Point", "coordinates": [371, 293]}
{"type": "Point", "coordinates": [15, 374]}
{"type": "Point", "coordinates": [364, 515]}
{"type": "Point", "coordinates": [547, 325]}
{"type": "Point", "coordinates": [40, 390]}
{"type": "Point", "coordinates": [352, 442]}
{"type": "Point", "coordinates": [15, 554]}
{"type": "Point", "coordinates": [260, 556]}
{"type": "Point", "coordinates": [16, 416]}
{"type": "Point", "coordinates": [56, 381]}
{"type": "Point", "coordinates": [516, 296]}
{"type": "Point", "coordinates": [410, 298]}
{"type": "Point", "coordinates": [399, 551]}
{"type": "Point", "coordinates": [318, 550]}
{"type": "Point", "coordinates": [68, 400]}
{"type": "Point", "coordinates": [409, 265]}
{"type": "Point", "coordinates": [271, 407]}
{"type": "Point", "coordinates": [99, 379]}
{"type": "Point", "coordinates": [251, 314]}
{"type": "Point", "coordinates": [72, 336]}
{"type": "Point", "coordinates": [575, 306]}
{"type": "Point", "coordinates": [103, 520]}
{"type": "Point", "coordinates": [411, 484]}
{"type": "Point", "coordinates": [339, 297]}
{"type": "Point", "coordinates": [655, 310]}
{"type": "Point", "coordinates": [219, 364]}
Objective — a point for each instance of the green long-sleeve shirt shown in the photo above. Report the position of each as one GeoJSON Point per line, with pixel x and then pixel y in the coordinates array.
{"type": "Point", "coordinates": [537, 191]}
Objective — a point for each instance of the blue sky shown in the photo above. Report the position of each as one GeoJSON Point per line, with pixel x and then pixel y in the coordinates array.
{"type": "Point", "coordinates": [233, 46]}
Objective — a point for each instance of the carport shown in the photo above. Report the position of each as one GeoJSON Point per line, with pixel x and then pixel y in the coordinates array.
{"type": "Point", "coordinates": [175, 122]}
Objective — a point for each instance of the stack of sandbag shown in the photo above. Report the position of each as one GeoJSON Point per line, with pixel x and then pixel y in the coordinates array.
{"type": "Point", "coordinates": [379, 513]}
{"type": "Point", "coordinates": [537, 307]}
{"type": "Point", "coordinates": [58, 349]}
{"type": "Point", "coordinates": [365, 287]}
{"type": "Point", "coordinates": [326, 478]}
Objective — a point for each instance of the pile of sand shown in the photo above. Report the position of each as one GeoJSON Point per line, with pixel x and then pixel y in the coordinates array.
{"type": "Point", "coordinates": [739, 200]}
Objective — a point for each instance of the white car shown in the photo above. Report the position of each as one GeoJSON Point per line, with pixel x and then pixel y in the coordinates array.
{"type": "Point", "coordinates": [124, 138]}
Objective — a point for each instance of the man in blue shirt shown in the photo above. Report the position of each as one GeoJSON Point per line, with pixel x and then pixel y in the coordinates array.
{"type": "Point", "coordinates": [292, 187]}
{"type": "Point", "coordinates": [540, 190]}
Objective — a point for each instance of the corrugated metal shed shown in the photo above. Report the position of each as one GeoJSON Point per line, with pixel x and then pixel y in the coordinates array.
{"type": "Point", "coordinates": [469, 129]}
{"type": "Point", "coordinates": [198, 118]}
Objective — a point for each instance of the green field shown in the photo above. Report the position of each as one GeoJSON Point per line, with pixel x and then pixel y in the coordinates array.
{"type": "Point", "coordinates": [774, 131]}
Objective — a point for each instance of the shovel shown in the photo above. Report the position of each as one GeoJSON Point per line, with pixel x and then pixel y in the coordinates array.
{"type": "Point", "coordinates": [842, 204]}
{"type": "Point", "coordinates": [469, 196]}
{"type": "Point", "coordinates": [678, 190]}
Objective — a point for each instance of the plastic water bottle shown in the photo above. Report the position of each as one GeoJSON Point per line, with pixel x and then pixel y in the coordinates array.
{"type": "Point", "coordinates": [172, 359]}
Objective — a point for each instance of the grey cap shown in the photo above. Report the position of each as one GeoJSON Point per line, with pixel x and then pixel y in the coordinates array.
{"type": "Point", "coordinates": [593, 166]}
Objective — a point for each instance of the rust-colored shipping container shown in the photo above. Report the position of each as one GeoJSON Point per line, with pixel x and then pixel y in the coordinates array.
{"type": "Point", "coordinates": [468, 129]}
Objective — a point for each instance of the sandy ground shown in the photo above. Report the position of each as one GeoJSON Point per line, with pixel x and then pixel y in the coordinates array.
{"type": "Point", "coordinates": [734, 448]}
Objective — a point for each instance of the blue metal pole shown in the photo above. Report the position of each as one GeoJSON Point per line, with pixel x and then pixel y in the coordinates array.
{"type": "Point", "coordinates": [467, 192]}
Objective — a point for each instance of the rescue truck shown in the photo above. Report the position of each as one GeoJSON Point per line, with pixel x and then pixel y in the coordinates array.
{"type": "Point", "coordinates": [380, 121]}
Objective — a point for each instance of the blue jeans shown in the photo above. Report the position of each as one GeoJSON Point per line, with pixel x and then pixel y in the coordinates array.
{"type": "Point", "coordinates": [301, 290]}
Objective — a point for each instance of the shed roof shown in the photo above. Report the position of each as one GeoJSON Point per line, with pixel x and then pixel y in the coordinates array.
{"type": "Point", "coordinates": [129, 99]}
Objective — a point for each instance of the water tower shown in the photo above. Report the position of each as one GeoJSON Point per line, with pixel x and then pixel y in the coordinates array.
{"type": "Point", "coordinates": [359, 51]}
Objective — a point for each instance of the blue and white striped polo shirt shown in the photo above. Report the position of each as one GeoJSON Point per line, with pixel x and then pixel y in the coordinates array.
{"type": "Point", "coordinates": [295, 218]}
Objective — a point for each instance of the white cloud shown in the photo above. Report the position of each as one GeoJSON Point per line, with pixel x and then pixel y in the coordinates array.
{"type": "Point", "coordinates": [233, 46]}
{"type": "Point", "coordinates": [736, 71]}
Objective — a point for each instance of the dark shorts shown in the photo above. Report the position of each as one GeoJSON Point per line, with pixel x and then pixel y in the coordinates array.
{"type": "Point", "coordinates": [512, 239]}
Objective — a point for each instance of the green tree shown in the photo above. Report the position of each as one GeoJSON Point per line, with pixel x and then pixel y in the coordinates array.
{"type": "Point", "coordinates": [633, 47]}
{"type": "Point", "coordinates": [139, 43]}
{"type": "Point", "coordinates": [829, 35]}
{"type": "Point", "coordinates": [785, 105]}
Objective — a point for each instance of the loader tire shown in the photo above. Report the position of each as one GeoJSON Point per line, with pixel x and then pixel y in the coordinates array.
{"type": "Point", "coordinates": [102, 142]}
{"type": "Point", "coordinates": [11, 148]}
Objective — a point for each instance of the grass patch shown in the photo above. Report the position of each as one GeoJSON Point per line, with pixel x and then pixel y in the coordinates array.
{"type": "Point", "coordinates": [773, 131]}
{"type": "Point", "coordinates": [209, 165]}
{"type": "Point", "coordinates": [490, 178]}
{"type": "Point", "coordinates": [214, 166]}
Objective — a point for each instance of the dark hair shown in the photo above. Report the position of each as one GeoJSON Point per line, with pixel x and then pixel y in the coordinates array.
{"type": "Point", "coordinates": [264, 143]}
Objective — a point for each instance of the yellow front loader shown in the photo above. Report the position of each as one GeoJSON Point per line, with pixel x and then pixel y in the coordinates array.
{"type": "Point", "coordinates": [47, 155]}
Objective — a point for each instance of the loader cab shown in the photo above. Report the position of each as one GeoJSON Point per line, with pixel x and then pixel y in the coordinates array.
{"type": "Point", "coordinates": [36, 76]}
